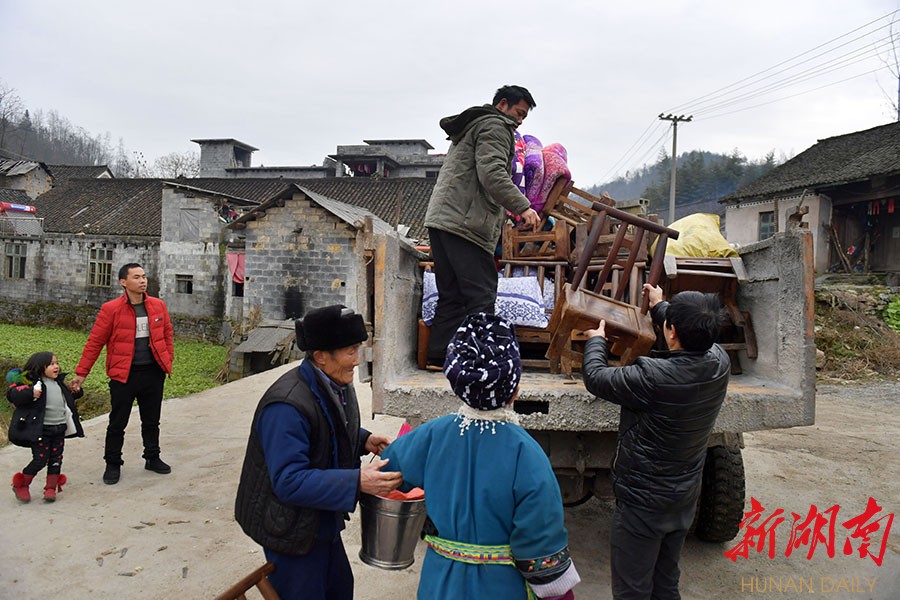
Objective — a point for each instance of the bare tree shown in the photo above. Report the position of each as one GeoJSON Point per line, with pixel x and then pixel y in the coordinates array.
{"type": "Point", "coordinates": [892, 62]}
{"type": "Point", "coordinates": [177, 164]}
{"type": "Point", "coordinates": [10, 110]}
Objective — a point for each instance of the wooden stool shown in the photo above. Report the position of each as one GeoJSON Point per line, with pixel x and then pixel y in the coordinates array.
{"type": "Point", "coordinates": [258, 579]}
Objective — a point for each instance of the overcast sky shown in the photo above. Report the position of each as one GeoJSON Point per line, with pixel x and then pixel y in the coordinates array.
{"type": "Point", "coordinates": [295, 79]}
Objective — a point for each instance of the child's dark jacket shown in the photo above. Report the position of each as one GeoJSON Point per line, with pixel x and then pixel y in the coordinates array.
{"type": "Point", "coordinates": [27, 424]}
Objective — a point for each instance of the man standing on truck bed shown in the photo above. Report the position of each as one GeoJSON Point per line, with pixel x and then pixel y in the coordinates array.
{"type": "Point", "coordinates": [669, 406]}
{"type": "Point", "coordinates": [466, 211]}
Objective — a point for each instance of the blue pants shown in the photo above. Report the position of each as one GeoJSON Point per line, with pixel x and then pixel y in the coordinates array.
{"type": "Point", "coordinates": [323, 574]}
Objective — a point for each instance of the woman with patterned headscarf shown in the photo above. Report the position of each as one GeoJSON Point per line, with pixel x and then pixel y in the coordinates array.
{"type": "Point", "coordinates": [489, 488]}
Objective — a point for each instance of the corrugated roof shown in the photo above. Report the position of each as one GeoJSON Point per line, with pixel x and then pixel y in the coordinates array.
{"type": "Point", "coordinates": [267, 338]}
{"type": "Point", "coordinates": [832, 161]}
{"type": "Point", "coordinates": [353, 215]}
{"type": "Point", "coordinates": [13, 168]}
{"type": "Point", "coordinates": [379, 196]}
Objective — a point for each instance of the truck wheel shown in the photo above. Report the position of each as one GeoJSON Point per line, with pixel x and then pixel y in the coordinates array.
{"type": "Point", "coordinates": [721, 506]}
{"type": "Point", "coordinates": [575, 490]}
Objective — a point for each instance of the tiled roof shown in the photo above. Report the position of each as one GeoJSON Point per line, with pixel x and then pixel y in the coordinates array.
{"type": "Point", "coordinates": [133, 206]}
{"type": "Point", "coordinates": [103, 207]}
{"type": "Point", "coordinates": [14, 197]}
{"type": "Point", "coordinates": [253, 189]}
{"type": "Point", "coordinates": [379, 195]}
{"type": "Point", "coordinates": [63, 173]}
{"type": "Point", "coordinates": [832, 161]}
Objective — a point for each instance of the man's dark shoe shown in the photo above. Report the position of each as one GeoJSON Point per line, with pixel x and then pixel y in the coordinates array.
{"type": "Point", "coordinates": [156, 465]}
{"type": "Point", "coordinates": [111, 474]}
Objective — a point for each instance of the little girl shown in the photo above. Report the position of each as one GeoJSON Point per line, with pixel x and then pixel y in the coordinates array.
{"type": "Point", "coordinates": [45, 415]}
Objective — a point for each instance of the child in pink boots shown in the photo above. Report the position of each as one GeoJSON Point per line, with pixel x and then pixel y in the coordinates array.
{"type": "Point", "coordinates": [45, 415]}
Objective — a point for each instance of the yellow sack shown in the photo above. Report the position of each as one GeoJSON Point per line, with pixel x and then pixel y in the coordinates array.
{"type": "Point", "coordinates": [698, 237]}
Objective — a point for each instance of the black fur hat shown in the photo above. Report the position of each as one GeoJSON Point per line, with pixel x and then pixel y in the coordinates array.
{"type": "Point", "coordinates": [330, 328]}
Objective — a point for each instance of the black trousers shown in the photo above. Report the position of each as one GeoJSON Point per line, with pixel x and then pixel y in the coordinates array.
{"type": "Point", "coordinates": [645, 548]}
{"type": "Point", "coordinates": [144, 384]}
{"type": "Point", "coordinates": [466, 278]}
{"type": "Point", "coordinates": [48, 451]}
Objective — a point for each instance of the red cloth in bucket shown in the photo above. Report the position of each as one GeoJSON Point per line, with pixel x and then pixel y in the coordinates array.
{"type": "Point", "coordinates": [413, 494]}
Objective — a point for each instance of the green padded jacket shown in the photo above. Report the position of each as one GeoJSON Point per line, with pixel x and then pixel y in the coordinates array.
{"type": "Point", "coordinates": [474, 185]}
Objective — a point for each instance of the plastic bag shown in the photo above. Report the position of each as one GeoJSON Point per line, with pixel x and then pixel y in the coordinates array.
{"type": "Point", "coordinates": [699, 237]}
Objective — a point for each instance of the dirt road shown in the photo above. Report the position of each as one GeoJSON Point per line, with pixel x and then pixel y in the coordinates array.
{"type": "Point", "coordinates": [173, 536]}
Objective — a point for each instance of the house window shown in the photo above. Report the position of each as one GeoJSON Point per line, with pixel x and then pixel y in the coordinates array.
{"type": "Point", "coordinates": [237, 289]}
{"type": "Point", "coordinates": [15, 260]}
{"type": "Point", "coordinates": [184, 284]}
{"type": "Point", "coordinates": [100, 267]}
{"type": "Point", "coordinates": [766, 225]}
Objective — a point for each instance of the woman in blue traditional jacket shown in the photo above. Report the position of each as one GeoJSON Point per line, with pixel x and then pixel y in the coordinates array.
{"type": "Point", "coordinates": [489, 488]}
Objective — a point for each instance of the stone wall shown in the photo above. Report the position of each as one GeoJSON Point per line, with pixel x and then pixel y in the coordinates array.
{"type": "Point", "coordinates": [299, 257]}
{"type": "Point", "coordinates": [81, 318]}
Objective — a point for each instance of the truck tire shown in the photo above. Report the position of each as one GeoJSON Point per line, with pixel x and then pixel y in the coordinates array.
{"type": "Point", "coordinates": [721, 505]}
{"type": "Point", "coordinates": [575, 489]}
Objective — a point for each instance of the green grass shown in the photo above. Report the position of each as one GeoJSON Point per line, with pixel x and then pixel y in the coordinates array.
{"type": "Point", "coordinates": [195, 368]}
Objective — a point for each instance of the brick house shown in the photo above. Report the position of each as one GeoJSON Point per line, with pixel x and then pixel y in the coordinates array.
{"type": "Point", "coordinates": [850, 185]}
{"type": "Point", "coordinates": [298, 246]}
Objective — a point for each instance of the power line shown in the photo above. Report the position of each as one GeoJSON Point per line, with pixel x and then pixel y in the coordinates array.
{"type": "Point", "coordinates": [718, 99]}
{"type": "Point", "coordinates": [688, 105]}
{"type": "Point", "coordinates": [792, 95]}
{"type": "Point", "coordinates": [794, 80]}
{"type": "Point", "coordinates": [637, 146]}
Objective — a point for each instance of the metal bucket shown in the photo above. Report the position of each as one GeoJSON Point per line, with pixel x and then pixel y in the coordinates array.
{"type": "Point", "coordinates": [390, 531]}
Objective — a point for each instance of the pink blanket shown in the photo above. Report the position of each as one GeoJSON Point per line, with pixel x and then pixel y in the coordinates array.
{"type": "Point", "coordinates": [555, 160]}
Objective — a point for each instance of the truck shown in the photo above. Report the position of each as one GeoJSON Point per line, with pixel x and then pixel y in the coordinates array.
{"type": "Point", "coordinates": [578, 431]}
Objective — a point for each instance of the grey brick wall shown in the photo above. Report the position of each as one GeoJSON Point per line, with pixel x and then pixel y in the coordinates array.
{"type": "Point", "coordinates": [299, 257]}
{"type": "Point", "coordinates": [56, 268]}
{"type": "Point", "coordinates": [196, 253]}
{"type": "Point", "coordinates": [215, 158]}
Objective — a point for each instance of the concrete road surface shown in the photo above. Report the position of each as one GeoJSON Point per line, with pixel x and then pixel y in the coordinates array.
{"type": "Point", "coordinates": [174, 536]}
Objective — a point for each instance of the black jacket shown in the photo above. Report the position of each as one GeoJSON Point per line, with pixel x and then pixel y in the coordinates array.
{"type": "Point", "coordinates": [669, 402]}
{"type": "Point", "coordinates": [27, 424]}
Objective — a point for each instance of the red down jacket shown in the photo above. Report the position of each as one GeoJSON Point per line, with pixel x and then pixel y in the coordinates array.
{"type": "Point", "coordinates": [115, 328]}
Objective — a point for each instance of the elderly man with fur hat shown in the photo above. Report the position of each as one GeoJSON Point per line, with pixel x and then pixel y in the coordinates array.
{"type": "Point", "coordinates": [489, 488]}
{"type": "Point", "coordinates": [302, 471]}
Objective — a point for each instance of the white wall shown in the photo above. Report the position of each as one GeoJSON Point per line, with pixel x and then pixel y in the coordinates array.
{"type": "Point", "coordinates": [742, 222]}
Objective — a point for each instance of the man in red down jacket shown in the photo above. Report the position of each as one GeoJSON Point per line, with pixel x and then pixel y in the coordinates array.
{"type": "Point", "coordinates": [137, 333]}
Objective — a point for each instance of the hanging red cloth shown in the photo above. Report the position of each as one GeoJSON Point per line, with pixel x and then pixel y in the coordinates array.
{"type": "Point", "coordinates": [235, 266]}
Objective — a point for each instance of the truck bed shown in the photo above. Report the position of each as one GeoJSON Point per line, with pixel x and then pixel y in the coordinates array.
{"type": "Point", "coordinates": [775, 390]}
{"type": "Point", "coordinates": [556, 402]}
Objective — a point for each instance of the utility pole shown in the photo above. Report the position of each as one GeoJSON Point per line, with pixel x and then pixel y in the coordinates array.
{"type": "Point", "coordinates": [675, 120]}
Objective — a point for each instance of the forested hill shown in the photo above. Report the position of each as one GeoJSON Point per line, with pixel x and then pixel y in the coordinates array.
{"type": "Point", "coordinates": [700, 177]}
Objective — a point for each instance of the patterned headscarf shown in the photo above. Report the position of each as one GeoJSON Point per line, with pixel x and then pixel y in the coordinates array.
{"type": "Point", "coordinates": [483, 364]}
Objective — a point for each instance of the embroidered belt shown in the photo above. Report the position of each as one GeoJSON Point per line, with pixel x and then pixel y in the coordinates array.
{"type": "Point", "coordinates": [475, 554]}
